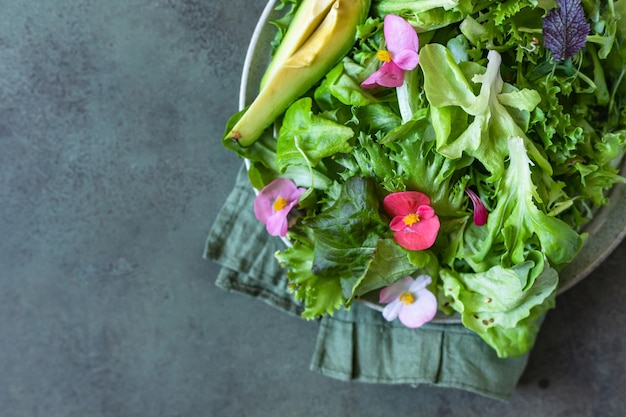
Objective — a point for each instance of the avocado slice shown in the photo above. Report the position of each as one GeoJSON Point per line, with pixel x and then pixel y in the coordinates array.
{"type": "Point", "coordinates": [307, 18]}
{"type": "Point", "coordinates": [323, 33]}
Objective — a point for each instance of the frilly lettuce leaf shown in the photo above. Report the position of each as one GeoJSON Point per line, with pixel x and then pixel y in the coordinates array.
{"type": "Point", "coordinates": [423, 169]}
{"type": "Point", "coordinates": [477, 125]}
{"type": "Point", "coordinates": [319, 294]}
{"type": "Point", "coordinates": [410, 162]}
{"type": "Point", "coordinates": [517, 224]}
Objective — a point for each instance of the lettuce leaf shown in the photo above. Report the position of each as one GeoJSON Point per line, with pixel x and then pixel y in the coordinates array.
{"type": "Point", "coordinates": [319, 294]}
{"type": "Point", "coordinates": [389, 263]}
{"type": "Point", "coordinates": [516, 224]}
{"type": "Point", "coordinates": [497, 306]}
{"type": "Point", "coordinates": [306, 138]}
{"type": "Point", "coordinates": [346, 234]}
{"type": "Point", "coordinates": [477, 125]}
{"type": "Point", "coordinates": [425, 15]}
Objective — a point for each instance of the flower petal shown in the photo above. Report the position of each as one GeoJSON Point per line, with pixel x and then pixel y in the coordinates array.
{"type": "Point", "coordinates": [421, 311]}
{"type": "Point", "coordinates": [406, 60]}
{"type": "Point", "coordinates": [263, 202]}
{"type": "Point", "coordinates": [372, 80]}
{"type": "Point", "coordinates": [388, 75]}
{"type": "Point", "coordinates": [289, 206]}
{"type": "Point", "coordinates": [263, 209]}
{"type": "Point", "coordinates": [480, 211]}
{"type": "Point", "coordinates": [425, 212]}
{"type": "Point", "coordinates": [419, 236]}
{"type": "Point", "coordinates": [393, 291]}
{"type": "Point", "coordinates": [391, 75]}
{"type": "Point", "coordinates": [421, 282]}
{"type": "Point", "coordinates": [276, 221]}
{"type": "Point", "coordinates": [404, 202]}
{"type": "Point", "coordinates": [391, 310]}
{"type": "Point", "coordinates": [277, 225]}
{"type": "Point", "coordinates": [294, 193]}
{"type": "Point", "coordinates": [399, 35]}
{"type": "Point", "coordinates": [397, 223]}
{"type": "Point", "coordinates": [280, 186]}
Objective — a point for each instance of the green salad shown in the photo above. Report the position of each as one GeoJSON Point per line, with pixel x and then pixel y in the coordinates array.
{"type": "Point", "coordinates": [437, 156]}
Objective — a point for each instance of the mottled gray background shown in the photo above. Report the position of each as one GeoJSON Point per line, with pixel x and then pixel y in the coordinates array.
{"type": "Point", "coordinates": [111, 174]}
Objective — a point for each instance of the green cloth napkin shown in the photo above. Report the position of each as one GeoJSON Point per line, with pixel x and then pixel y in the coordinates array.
{"type": "Point", "coordinates": [358, 344]}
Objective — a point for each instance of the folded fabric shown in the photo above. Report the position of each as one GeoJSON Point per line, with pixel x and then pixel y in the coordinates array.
{"type": "Point", "coordinates": [358, 344]}
{"type": "Point", "coordinates": [239, 243]}
{"type": "Point", "coordinates": [361, 345]}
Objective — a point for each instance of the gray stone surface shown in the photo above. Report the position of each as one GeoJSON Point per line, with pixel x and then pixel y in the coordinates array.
{"type": "Point", "coordinates": [111, 174]}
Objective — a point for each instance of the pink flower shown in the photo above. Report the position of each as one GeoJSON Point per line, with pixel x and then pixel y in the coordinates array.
{"type": "Point", "coordinates": [273, 204]}
{"type": "Point", "coordinates": [409, 300]}
{"type": "Point", "coordinates": [480, 211]}
{"type": "Point", "coordinates": [414, 221]}
{"type": "Point", "coordinates": [401, 54]}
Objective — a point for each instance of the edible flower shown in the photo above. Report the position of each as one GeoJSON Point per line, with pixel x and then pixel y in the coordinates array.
{"type": "Point", "coordinates": [414, 221]}
{"type": "Point", "coordinates": [401, 54]}
{"type": "Point", "coordinates": [480, 211]}
{"type": "Point", "coordinates": [410, 301]}
{"type": "Point", "coordinates": [273, 204]}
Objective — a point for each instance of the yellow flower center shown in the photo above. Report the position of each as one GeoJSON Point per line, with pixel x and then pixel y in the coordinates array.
{"type": "Point", "coordinates": [407, 298]}
{"type": "Point", "coordinates": [410, 219]}
{"type": "Point", "coordinates": [383, 55]}
{"type": "Point", "coordinates": [279, 204]}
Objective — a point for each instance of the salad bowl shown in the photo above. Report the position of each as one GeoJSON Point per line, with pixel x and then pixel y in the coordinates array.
{"type": "Point", "coordinates": [606, 230]}
{"type": "Point", "coordinates": [602, 233]}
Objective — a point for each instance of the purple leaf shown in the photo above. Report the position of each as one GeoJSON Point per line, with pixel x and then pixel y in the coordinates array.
{"type": "Point", "coordinates": [565, 29]}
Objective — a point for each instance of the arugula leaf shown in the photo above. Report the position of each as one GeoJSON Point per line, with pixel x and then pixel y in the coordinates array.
{"type": "Point", "coordinates": [565, 29]}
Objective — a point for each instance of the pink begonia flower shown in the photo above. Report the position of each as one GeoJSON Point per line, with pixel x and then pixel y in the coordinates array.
{"type": "Point", "coordinates": [480, 211]}
{"type": "Point", "coordinates": [414, 221]}
{"type": "Point", "coordinates": [410, 301]}
{"type": "Point", "coordinates": [401, 54]}
{"type": "Point", "coordinates": [273, 204]}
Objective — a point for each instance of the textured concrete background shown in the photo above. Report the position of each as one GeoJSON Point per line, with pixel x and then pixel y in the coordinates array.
{"type": "Point", "coordinates": [111, 174]}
